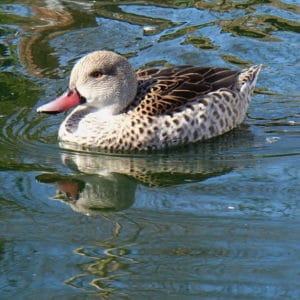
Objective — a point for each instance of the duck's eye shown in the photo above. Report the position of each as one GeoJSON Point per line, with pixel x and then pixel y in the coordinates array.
{"type": "Point", "coordinates": [96, 74]}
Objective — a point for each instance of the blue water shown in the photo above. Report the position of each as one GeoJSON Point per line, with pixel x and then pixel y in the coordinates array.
{"type": "Point", "coordinates": [215, 220]}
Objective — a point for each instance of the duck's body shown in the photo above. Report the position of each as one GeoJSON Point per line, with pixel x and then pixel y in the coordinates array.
{"type": "Point", "coordinates": [150, 109]}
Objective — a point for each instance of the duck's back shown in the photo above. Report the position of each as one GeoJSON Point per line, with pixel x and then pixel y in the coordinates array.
{"type": "Point", "coordinates": [187, 104]}
{"type": "Point", "coordinates": [162, 91]}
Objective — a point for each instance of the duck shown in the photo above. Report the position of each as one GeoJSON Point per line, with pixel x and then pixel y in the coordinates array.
{"type": "Point", "coordinates": [118, 108]}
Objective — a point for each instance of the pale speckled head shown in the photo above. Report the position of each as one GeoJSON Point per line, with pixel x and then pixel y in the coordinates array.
{"type": "Point", "coordinates": [105, 79]}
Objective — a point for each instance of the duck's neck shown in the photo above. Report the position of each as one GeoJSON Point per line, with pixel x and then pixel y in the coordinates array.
{"type": "Point", "coordinates": [90, 125]}
{"type": "Point", "coordinates": [106, 113]}
{"type": "Point", "coordinates": [103, 113]}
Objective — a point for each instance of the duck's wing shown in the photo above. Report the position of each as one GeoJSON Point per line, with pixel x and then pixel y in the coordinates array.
{"type": "Point", "coordinates": [165, 90]}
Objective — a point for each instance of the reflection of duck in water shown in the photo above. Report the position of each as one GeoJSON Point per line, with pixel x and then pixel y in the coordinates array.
{"type": "Point", "coordinates": [93, 194]}
{"type": "Point", "coordinates": [101, 182]}
{"type": "Point", "coordinates": [149, 109]}
{"type": "Point", "coordinates": [90, 194]}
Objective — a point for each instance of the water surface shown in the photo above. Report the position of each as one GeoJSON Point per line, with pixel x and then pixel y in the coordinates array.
{"type": "Point", "coordinates": [215, 220]}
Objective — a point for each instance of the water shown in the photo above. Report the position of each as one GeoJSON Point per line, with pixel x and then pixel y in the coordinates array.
{"type": "Point", "coordinates": [216, 220]}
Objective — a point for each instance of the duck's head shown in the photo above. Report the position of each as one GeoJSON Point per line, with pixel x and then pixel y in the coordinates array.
{"type": "Point", "coordinates": [101, 79]}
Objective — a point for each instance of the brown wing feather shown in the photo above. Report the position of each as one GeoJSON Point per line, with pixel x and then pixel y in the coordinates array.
{"type": "Point", "coordinates": [162, 91]}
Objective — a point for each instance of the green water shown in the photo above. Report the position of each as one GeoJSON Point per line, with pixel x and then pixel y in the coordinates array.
{"type": "Point", "coordinates": [216, 220]}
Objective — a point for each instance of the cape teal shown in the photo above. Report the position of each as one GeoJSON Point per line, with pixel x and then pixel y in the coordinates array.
{"type": "Point", "coordinates": [118, 108]}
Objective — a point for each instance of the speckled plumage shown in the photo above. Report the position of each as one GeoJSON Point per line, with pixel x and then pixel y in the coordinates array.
{"type": "Point", "coordinates": [171, 106]}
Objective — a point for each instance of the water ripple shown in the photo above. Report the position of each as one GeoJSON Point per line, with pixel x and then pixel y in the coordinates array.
{"type": "Point", "coordinates": [204, 263]}
{"type": "Point", "coordinates": [219, 219]}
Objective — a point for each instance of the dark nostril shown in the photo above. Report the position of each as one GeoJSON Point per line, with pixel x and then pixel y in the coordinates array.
{"type": "Point", "coordinates": [70, 92]}
{"type": "Point", "coordinates": [82, 99]}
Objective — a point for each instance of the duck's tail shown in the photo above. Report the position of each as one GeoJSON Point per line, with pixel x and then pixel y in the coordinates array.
{"type": "Point", "coordinates": [247, 79]}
